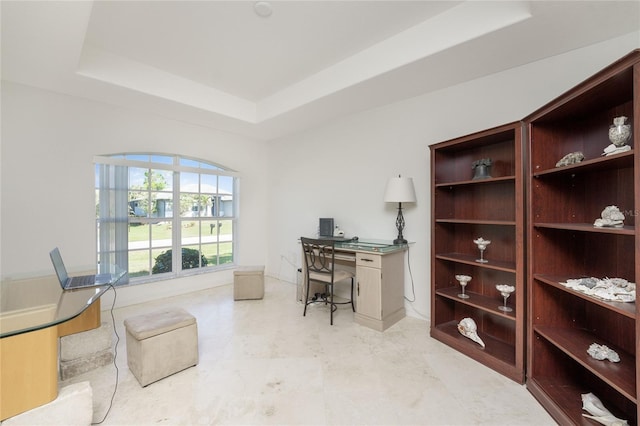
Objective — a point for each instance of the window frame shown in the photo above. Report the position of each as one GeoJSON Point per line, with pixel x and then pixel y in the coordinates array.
{"type": "Point", "coordinates": [200, 167]}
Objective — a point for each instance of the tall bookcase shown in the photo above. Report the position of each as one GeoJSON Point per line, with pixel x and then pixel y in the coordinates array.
{"type": "Point", "coordinates": [563, 243]}
{"type": "Point", "coordinates": [462, 210]}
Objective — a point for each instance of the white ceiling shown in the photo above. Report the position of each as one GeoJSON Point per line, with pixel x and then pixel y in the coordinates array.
{"type": "Point", "coordinates": [219, 64]}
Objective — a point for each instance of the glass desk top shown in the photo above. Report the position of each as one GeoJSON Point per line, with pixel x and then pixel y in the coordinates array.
{"type": "Point", "coordinates": [33, 304]}
{"type": "Point", "coordinates": [369, 245]}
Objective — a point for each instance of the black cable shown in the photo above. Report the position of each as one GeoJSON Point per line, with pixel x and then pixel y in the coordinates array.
{"type": "Point", "coordinates": [115, 356]}
{"type": "Point", "coordinates": [413, 288]}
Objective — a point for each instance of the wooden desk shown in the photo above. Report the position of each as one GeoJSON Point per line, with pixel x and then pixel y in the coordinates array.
{"type": "Point", "coordinates": [29, 363]}
{"type": "Point", "coordinates": [379, 271]}
{"type": "Point", "coordinates": [34, 314]}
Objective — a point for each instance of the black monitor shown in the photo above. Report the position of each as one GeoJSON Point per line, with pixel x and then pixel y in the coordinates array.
{"type": "Point", "coordinates": [326, 227]}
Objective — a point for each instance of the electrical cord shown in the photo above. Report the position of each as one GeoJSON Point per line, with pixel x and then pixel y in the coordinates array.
{"type": "Point", "coordinates": [115, 356]}
{"type": "Point", "coordinates": [413, 288]}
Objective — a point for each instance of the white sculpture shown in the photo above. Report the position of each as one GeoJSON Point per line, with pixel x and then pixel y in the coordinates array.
{"type": "Point", "coordinates": [468, 328]}
{"type": "Point", "coordinates": [611, 216]}
{"type": "Point", "coordinates": [602, 352]}
{"type": "Point", "coordinates": [619, 134]}
{"type": "Point", "coordinates": [594, 406]}
{"type": "Point", "coordinates": [612, 149]}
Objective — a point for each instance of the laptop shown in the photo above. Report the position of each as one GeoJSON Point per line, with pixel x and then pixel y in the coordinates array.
{"type": "Point", "coordinates": [67, 282]}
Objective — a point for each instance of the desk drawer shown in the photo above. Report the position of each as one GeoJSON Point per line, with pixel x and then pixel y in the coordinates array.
{"type": "Point", "coordinates": [367, 259]}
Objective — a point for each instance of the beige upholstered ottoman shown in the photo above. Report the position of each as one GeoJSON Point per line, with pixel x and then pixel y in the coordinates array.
{"type": "Point", "coordinates": [160, 344]}
{"type": "Point", "coordinates": [248, 282]}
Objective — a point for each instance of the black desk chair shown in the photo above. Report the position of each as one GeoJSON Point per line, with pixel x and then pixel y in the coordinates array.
{"type": "Point", "coordinates": [319, 259]}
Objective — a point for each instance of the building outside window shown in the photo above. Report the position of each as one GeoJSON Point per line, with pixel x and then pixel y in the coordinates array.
{"type": "Point", "coordinates": [162, 216]}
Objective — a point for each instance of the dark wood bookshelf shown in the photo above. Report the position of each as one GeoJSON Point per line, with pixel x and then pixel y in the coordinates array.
{"type": "Point", "coordinates": [475, 300]}
{"type": "Point", "coordinates": [562, 243]}
{"type": "Point", "coordinates": [626, 309]}
{"type": "Point", "coordinates": [496, 354]}
{"type": "Point", "coordinates": [619, 375]}
{"type": "Point", "coordinates": [463, 209]}
{"type": "Point", "coordinates": [471, 260]}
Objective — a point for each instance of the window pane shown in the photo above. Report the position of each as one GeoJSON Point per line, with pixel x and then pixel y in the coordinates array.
{"type": "Point", "coordinates": [139, 236]}
{"type": "Point", "coordinates": [209, 231]}
{"type": "Point", "coordinates": [226, 184]}
{"type": "Point", "coordinates": [162, 159]}
{"type": "Point", "coordinates": [161, 235]}
{"type": "Point", "coordinates": [189, 182]}
{"type": "Point", "coordinates": [193, 205]}
{"type": "Point", "coordinates": [226, 206]}
{"type": "Point", "coordinates": [137, 157]}
{"type": "Point", "coordinates": [190, 232]}
{"type": "Point", "coordinates": [161, 180]}
{"type": "Point", "coordinates": [137, 178]}
{"type": "Point", "coordinates": [209, 183]}
{"type": "Point", "coordinates": [138, 203]}
{"type": "Point", "coordinates": [162, 204]}
{"type": "Point", "coordinates": [192, 258]}
{"type": "Point", "coordinates": [209, 166]}
{"type": "Point", "coordinates": [210, 252]}
{"type": "Point", "coordinates": [138, 194]}
{"type": "Point", "coordinates": [226, 253]}
{"type": "Point", "coordinates": [225, 230]}
{"type": "Point", "coordinates": [187, 162]}
{"type": "Point", "coordinates": [162, 261]}
{"type": "Point", "coordinates": [139, 261]}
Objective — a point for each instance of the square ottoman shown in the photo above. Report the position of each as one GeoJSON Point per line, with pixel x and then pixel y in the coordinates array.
{"type": "Point", "coordinates": [248, 282]}
{"type": "Point", "coordinates": [160, 344]}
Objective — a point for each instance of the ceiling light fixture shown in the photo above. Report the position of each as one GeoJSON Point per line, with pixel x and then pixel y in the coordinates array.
{"type": "Point", "coordinates": [263, 9]}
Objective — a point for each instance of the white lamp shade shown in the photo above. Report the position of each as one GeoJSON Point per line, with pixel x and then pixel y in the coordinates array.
{"type": "Point", "coordinates": [400, 190]}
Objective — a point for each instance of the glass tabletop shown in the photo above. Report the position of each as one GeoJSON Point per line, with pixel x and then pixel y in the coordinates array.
{"type": "Point", "coordinates": [33, 304]}
{"type": "Point", "coordinates": [370, 245]}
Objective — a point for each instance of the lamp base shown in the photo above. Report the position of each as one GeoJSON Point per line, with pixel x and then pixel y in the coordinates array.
{"type": "Point", "coordinates": [400, 241]}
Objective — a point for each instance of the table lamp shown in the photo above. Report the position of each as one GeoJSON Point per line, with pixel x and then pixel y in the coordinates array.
{"type": "Point", "coordinates": [400, 190]}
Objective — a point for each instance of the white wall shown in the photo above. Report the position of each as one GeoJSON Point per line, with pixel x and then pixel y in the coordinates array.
{"type": "Point", "coordinates": [340, 169]}
{"type": "Point", "coordinates": [48, 144]}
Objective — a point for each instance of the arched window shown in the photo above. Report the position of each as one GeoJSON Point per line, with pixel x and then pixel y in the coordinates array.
{"type": "Point", "coordinates": [162, 216]}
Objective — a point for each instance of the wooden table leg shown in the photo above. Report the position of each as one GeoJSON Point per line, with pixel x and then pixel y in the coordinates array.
{"type": "Point", "coordinates": [28, 371]}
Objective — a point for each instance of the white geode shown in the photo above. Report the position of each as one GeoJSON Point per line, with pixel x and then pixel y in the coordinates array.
{"type": "Point", "coordinates": [599, 413]}
{"type": "Point", "coordinates": [468, 328]}
{"type": "Point", "coordinates": [611, 289]}
{"type": "Point", "coordinates": [570, 158]}
{"type": "Point", "coordinates": [611, 216]}
{"type": "Point", "coordinates": [602, 352]}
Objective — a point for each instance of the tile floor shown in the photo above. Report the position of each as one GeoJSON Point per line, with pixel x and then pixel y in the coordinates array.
{"type": "Point", "coordinates": [262, 362]}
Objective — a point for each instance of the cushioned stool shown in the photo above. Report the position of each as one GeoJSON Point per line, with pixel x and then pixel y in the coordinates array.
{"type": "Point", "coordinates": [160, 344]}
{"type": "Point", "coordinates": [248, 282]}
